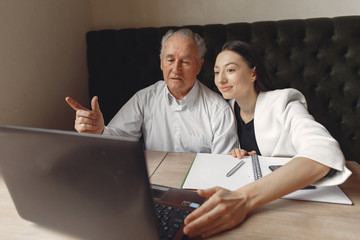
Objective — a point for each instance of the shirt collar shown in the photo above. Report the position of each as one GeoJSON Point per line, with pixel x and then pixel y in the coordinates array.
{"type": "Point", "coordinates": [189, 99]}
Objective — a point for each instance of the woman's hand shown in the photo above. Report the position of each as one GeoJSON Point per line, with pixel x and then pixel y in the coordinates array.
{"type": "Point", "coordinates": [239, 153]}
{"type": "Point", "coordinates": [223, 210]}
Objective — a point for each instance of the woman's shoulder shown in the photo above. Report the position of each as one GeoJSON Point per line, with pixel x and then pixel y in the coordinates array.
{"type": "Point", "coordinates": [286, 92]}
{"type": "Point", "coordinates": [285, 96]}
{"type": "Point", "coordinates": [280, 100]}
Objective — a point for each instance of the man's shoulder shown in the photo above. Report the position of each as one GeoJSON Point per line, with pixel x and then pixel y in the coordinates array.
{"type": "Point", "coordinates": [212, 97]}
{"type": "Point", "coordinates": [153, 89]}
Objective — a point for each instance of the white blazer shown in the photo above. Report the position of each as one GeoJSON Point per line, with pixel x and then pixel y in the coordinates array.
{"type": "Point", "coordinates": [284, 128]}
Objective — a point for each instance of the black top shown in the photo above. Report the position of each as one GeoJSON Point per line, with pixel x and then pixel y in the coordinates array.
{"type": "Point", "coordinates": [247, 137]}
{"type": "Point", "coordinates": [246, 133]}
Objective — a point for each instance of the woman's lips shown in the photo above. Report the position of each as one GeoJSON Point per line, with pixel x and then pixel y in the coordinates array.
{"type": "Point", "coordinates": [225, 89]}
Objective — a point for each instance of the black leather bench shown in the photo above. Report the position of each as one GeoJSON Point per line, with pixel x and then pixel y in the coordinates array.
{"type": "Point", "coordinates": [319, 56]}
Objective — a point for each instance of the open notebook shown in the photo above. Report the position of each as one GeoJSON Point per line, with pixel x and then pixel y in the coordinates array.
{"type": "Point", "coordinates": [209, 170]}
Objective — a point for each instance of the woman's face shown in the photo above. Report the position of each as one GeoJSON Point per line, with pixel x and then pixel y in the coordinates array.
{"type": "Point", "coordinates": [233, 77]}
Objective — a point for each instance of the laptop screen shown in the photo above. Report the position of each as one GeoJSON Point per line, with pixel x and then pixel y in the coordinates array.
{"type": "Point", "coordinates": [91, 186]}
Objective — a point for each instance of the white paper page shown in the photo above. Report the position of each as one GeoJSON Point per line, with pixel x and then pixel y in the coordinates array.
{"type": "Point", "coordinates": [209, 170]}
{"type": "Point", "coordinates": [328, 194]}
{"type": "Point", "coordinates": [265, 162]}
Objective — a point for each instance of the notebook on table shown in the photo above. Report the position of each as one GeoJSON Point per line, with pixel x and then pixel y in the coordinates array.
{"type": "Point", "coordinates": [89, 186]}
{"type": "Point", "coordinates": [209, 170]}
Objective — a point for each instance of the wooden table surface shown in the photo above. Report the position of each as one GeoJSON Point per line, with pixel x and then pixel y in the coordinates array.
{"type": "Point", "coordinates": [280, 219]}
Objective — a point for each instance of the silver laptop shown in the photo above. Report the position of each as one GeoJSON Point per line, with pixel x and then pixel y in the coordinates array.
{"type": "Point", "coordinates": [89, 186]}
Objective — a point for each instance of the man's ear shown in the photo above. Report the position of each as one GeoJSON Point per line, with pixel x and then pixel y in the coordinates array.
{"type": "Point", "coordinates": [161, 64]}
{"type": "Point", "coordinates": [201, 63]}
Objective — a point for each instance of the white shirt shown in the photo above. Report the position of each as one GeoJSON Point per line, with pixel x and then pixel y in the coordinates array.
{"type": "Point", "coordinates": [284, 128]}
{"type": "Point", "coordinates": [202, 122]}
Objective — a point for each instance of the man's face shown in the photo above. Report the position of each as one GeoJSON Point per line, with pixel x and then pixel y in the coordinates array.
{"type": "Point", "coordinates": [180, 65]}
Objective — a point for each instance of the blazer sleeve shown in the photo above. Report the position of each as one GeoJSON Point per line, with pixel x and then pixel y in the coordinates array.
{"type": "Point", "coordinates": [293, 132]}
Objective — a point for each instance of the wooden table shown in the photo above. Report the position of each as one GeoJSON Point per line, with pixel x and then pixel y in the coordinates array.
{"type": "Point", "coordinates": [281, 219]}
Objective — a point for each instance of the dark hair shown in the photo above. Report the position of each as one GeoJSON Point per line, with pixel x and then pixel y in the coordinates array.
{"type": "Point", "coordinates": [247, 52]}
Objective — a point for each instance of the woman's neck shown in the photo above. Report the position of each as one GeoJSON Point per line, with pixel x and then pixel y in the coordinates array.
{"type": "Point", "coordinates": [247, 106]}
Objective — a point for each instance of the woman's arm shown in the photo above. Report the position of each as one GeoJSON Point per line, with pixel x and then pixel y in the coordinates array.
{"type": "Point", "coordinates": [225, 209]}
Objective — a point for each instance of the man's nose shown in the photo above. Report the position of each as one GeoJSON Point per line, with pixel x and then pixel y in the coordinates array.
{"type": "Point", "coordinates": [177, 67]}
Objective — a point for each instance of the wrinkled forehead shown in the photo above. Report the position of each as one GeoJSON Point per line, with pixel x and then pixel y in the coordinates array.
{"type": "Point", "coordinates": [180, 46]}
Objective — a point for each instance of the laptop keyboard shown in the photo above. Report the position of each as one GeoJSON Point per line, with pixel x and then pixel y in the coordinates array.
{"type": "Point", "coordinates": [170, 219]}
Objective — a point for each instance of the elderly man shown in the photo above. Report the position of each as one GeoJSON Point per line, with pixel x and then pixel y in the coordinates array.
{"type": "Point", "coordinates": [179, 114]}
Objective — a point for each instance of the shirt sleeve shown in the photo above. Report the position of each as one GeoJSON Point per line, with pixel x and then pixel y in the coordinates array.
{"type": "Point", "coordinates": [128, 121]}
{"type": "Point", "coordinates": [225, 134]}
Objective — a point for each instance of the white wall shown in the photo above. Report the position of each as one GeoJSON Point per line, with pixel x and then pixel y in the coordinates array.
{"type": "Point", "coordinates": [118, 14]}
{"type": "Point", "coordinates": [42, 60]}
{"type": "Point", "coordinates": [43, 48]}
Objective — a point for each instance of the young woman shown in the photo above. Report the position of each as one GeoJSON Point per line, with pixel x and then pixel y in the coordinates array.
{"type": "Point", "coordinates": [270, 123]}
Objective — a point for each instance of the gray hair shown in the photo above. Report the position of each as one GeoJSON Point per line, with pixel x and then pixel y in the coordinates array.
{"type": "Point", "coordinates": [185, 33]}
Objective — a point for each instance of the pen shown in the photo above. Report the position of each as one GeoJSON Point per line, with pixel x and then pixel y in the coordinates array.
{"type": "Point", "coordinates": [308, 187]}
{"type": "Point", "coordinates": [237, 166]}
